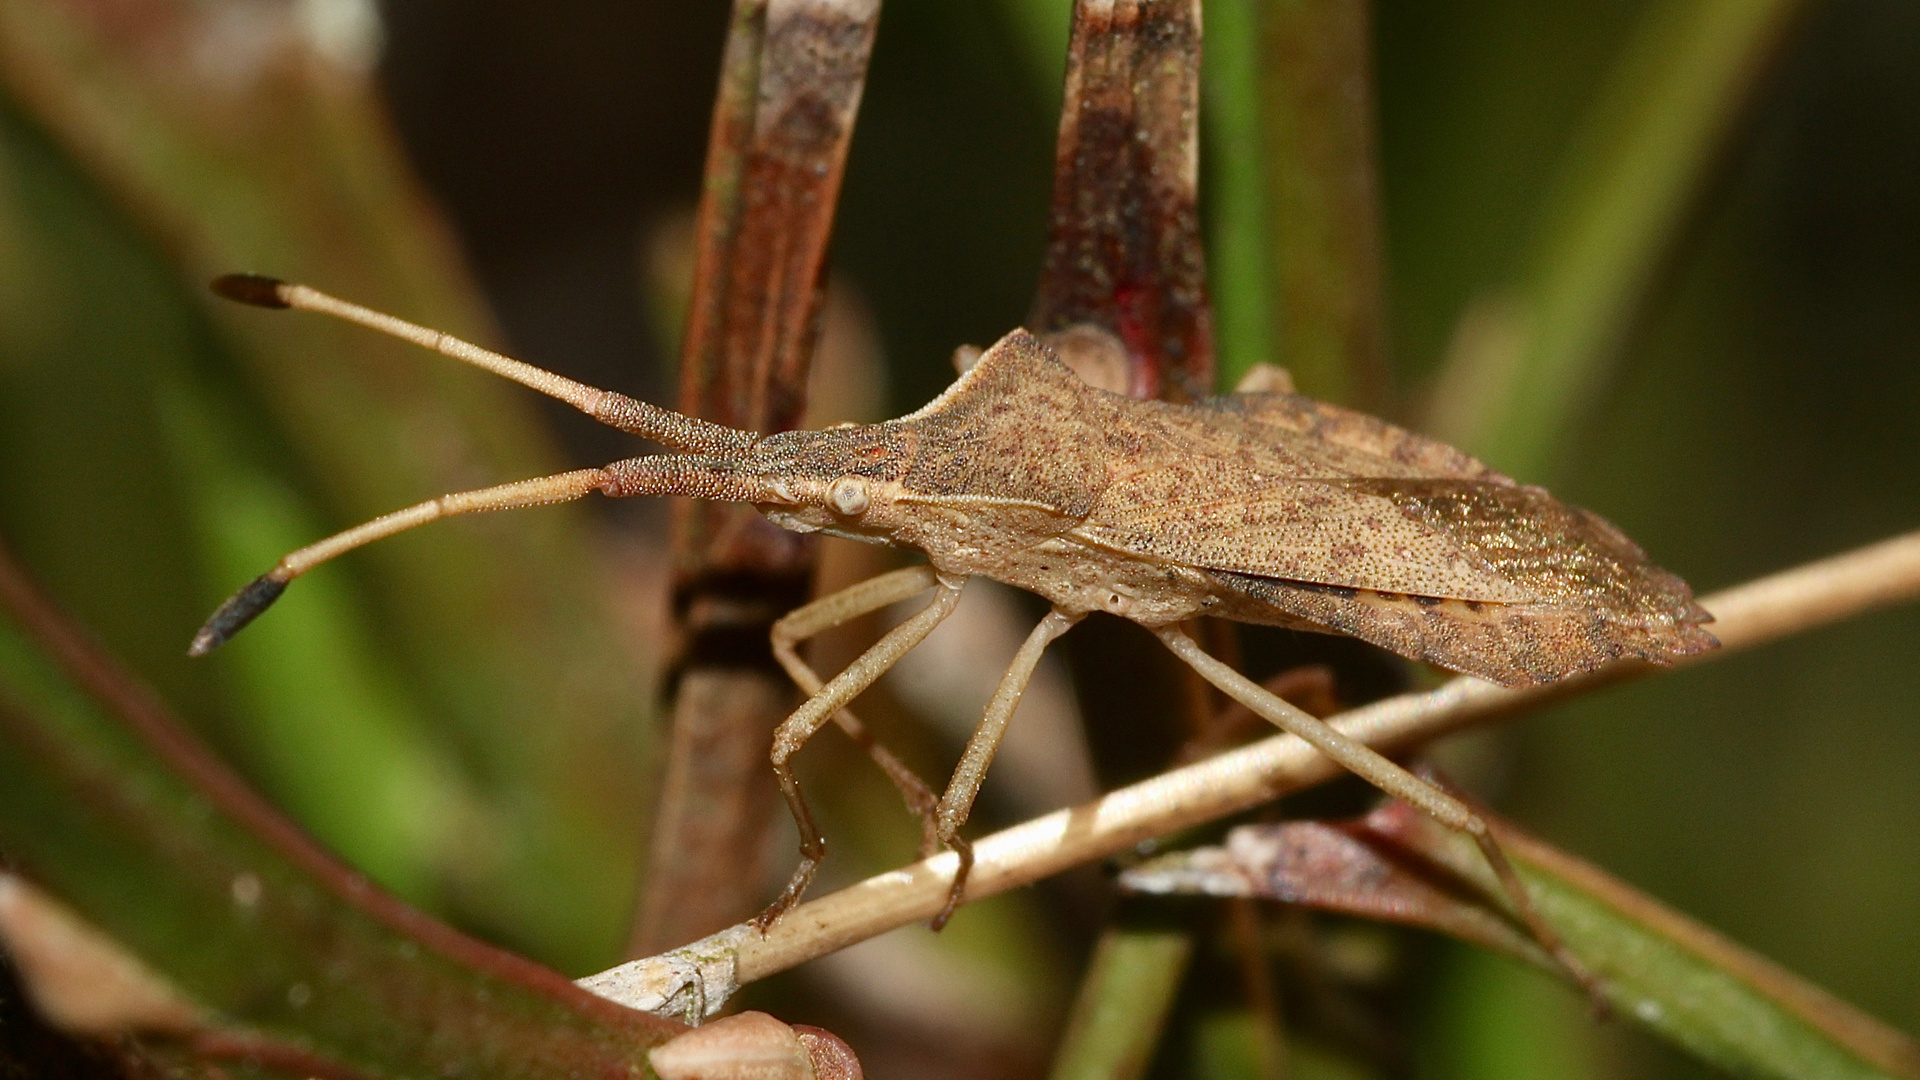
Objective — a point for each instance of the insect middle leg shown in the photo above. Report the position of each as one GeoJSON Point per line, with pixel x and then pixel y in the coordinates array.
{"type": "Point", "coordinates": [957, 803]}
{"type": "Point", "coordinates": [1371, 766]}
{"type": "Point", "coordinates": [814, 713]}
{"type": "Point", "coordinates": [837, 609]}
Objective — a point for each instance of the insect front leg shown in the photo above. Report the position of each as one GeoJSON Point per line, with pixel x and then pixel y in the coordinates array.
{"type": "Point", "coordinates": [1367, 763]}
{"type": "Point", "coordinates": [957, 803]}
{"type": "Point", "coordinates": [838, 609]}
{"type": "Point", "coordinates": [814, 713]}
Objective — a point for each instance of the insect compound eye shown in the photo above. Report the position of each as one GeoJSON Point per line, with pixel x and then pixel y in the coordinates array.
{"type": "Point", "coordinates": [848, 496]}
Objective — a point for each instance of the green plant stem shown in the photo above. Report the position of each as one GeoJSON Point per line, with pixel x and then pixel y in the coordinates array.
{"type": "Point", "coordinates": [1654, 966]}
{"type": "Point", "coordinates": [1239, 234]}
{"type": "Point", "coordinates": [1123, 1002]}
{"type": "Point", "coordinates": [1724, 1003]}
{"type": "Point", "coordinates": [1685, 982]}
{"type": "Point", "coordinates": [1317, 97]}
{"type": "Point", "coordinates": [1668, 112]}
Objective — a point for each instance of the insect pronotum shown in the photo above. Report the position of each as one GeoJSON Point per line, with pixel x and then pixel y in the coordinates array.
{"type": "Point", "coordinates": [1259, 507]}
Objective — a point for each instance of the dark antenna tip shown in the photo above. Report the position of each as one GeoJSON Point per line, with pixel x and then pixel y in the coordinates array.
{"type": "Point", "coordinates": [255, 289]}
{"type": "Point", "coordinates": [240, 609]}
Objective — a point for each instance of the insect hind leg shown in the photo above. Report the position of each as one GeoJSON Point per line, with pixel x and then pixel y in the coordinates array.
{"type": "Point", "coordinates": [1370, 765]}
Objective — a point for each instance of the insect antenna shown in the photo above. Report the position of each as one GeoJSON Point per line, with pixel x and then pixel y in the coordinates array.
{"type": "Point", "coordinates": [631, 415]}
{"type": "Point", "coordinates": [664, 475]}
{"type": "Point", "coordinates": [247, 604]}
{"type": "Point", "coordinates": [691, 475]}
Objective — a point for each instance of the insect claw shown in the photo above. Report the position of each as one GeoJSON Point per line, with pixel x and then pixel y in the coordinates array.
{"type": "Point", "coordinates": [796, 887]}
{"type": "Point", "coordinates": [240, 609]}
{"type": "Point", "coordinates": [957, 889]}
{"type": "Point", "coordinates": [256, 289]}
{"type": "Point", "coordinates": [764, 921]}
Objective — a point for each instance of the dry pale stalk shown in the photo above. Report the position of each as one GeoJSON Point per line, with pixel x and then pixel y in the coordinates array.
{"type": "Point", "coordinates": [700, 976]}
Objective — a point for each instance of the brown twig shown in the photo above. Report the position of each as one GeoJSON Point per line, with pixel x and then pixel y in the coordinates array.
{"type": "Point", "coordinates": [703, 974]}
{"type": "Point", "coordinates": [790, 85]}
{"type": "Point", "coordinates": [1123, 297]}
{"type": "Point", "coordinates": [1124, 254]}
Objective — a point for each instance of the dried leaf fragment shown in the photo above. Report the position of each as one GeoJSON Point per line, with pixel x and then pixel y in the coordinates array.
{"type": "Point", "coordinates": [82, 981]}
{"type": "Point", "coordinates": [1348, 867]}
{"type": "Point", "coordinates": [754, 1046]}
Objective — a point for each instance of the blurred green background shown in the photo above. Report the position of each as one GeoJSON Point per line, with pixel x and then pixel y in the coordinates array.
{"type": "Point", "coordinates": [465, 713]}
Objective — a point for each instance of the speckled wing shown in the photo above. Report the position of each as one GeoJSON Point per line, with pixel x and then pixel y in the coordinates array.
{"type": "Point", "coordinates": [1275, 485]}
{"type": "Point", "coordinates": [1348, 443]}
{"type": "Point", "coordinates": [1552, 552]}
{"type": "Point", "coordinates": [1318, 517]}
{"type": "Point", "coordinates": [1213, 516]}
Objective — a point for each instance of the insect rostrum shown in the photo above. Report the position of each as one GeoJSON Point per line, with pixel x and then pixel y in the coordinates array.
{"type": "Point", "coordinates": [1258, 507]}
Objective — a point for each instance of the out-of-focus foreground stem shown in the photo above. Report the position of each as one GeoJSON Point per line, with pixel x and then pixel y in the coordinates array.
{"type": "Point", "coordinates": [1318, 102]}
{"type": "Point", "coordinates": [1670, 111]}
{"type": "Point", "coordinates": [109, 805]}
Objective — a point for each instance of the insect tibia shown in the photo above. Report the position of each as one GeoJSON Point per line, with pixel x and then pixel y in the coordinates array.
{"type": "Point", "coordinates": [256, 289]}
{"type": "Point", "coordinates": [240, 609]}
